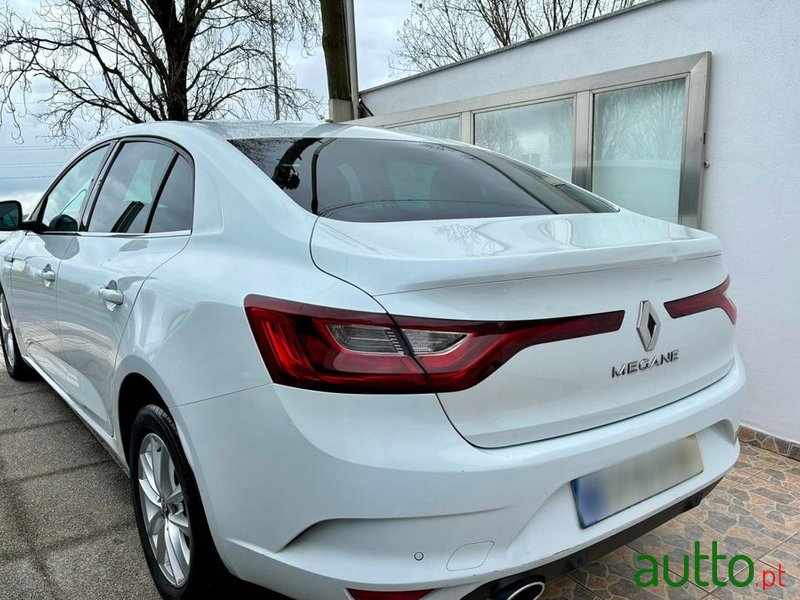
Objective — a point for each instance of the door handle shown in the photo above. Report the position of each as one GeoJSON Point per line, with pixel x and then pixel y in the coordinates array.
{"type": "Point", "coordinates": [47, 274]}
{"type": "Point", "coordinates": [111, 294]}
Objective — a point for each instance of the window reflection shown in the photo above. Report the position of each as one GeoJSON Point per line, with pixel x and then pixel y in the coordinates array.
{"type": "Point", "coordinates": [444, 129]}
{"type": "Point", "coordinates": [542, 135]}
{"type": "Point", "coordinates": [638, 146]}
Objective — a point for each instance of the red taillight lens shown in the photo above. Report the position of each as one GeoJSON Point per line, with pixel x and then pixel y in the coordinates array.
{"type": "Point", "coordinates": [329, 349]}
{"type": "Point", "coordinates": [365, 595]}
{"type": "Point", "coordinates": [713, 298]}
{"type": "Point", "coordinates": [487, 346]}
{"type": "Point", "coordinates": [335, 350]}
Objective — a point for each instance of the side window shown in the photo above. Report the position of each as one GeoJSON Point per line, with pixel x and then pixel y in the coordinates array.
{"type": "Point", "coordinates": [175, 204]}
{"type": "Point", "coordinates": [63, 205]}
{"type": "Point", "coordinates": [130, 187]}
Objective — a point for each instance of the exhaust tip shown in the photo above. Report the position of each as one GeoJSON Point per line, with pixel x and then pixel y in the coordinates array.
{"type": "Point", "coordinates": [522, 590]}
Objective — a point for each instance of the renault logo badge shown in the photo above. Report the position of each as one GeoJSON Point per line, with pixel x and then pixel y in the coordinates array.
{"type": "Point", "coordinates": [648, 325]}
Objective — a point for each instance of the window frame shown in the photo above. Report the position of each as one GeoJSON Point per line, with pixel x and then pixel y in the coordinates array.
{"type": "Point", "coordinates": [86, 214]}
{"type": "Point", "coordinates": [694, 69]}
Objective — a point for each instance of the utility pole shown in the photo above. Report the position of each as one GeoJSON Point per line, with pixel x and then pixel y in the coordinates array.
{"type": "Point", "coordinates": [338, 42]}
{"type": "Point", "coordinates": [274, 63]}
{"type": "Point", "coordinates": [352, 59]}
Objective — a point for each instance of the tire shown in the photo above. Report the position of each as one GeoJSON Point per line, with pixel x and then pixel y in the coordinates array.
{"type": "Point", "coordinates": [181, 555]}
{"type": "Point", "coordinates": [16, 366]}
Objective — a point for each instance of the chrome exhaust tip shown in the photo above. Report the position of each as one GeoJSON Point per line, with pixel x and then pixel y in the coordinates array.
{"type": "Point", "coordinates": [523, 590]}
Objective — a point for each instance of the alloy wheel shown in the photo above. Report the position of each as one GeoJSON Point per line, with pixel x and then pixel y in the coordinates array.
{"type": "Point", "coordinates": [163, 507]}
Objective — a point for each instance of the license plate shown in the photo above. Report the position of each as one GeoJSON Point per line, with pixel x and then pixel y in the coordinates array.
{"type": "Point", "coordinates": [602, 494]}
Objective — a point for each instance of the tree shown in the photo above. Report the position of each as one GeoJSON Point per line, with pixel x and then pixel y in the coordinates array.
{"type": "Point", "coordinates": [440, 32]}
{"type": "Point", "coordinates": [148, 60]}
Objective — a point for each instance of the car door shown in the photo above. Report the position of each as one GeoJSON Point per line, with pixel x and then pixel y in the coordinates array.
{"type": "Point", "coordinates": [141, 217]}
{"type": "Point", "coordinates": [34, 264]}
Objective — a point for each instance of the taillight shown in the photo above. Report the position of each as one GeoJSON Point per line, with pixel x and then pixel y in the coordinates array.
{"type": "Point", "coordinates": [329, 349]}
{"type": "Point", "coordinates": [713, 298]}
{"type": "Point", "coordinates": [485, 347]}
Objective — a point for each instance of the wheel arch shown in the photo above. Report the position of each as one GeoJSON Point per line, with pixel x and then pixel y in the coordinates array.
{"type": "Point", "coordinates": [139, 386]}
{"type": "Point", "coordinates": [135, 393]}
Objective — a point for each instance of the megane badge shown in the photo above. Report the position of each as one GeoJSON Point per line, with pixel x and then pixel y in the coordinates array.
{"type": "Point", "coordinates": [648, 325]}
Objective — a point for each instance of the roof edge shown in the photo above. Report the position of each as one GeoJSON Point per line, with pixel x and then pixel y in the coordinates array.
{"type": "Point", "coordinates": [515, 45]}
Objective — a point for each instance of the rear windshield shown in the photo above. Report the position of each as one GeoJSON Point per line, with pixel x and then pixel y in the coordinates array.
{"type": "Point", "coordinates": [367, 180]}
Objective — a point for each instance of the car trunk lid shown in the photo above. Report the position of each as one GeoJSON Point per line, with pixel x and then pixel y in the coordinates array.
{"type": "Point", "coordinates": [531, 268]}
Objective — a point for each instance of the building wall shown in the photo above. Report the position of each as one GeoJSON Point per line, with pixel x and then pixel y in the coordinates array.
{"type": "Point", "coordinates": [751, 193]}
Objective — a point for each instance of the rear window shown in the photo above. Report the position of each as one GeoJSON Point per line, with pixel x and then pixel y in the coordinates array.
{"type": "Point", "coordinates": [367, 180]}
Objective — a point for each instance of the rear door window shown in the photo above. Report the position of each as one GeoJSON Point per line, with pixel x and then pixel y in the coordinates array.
{"type": "Point", "coordinates": [130, 188]}
{"type": "Point", "coordinates": [175, 205]}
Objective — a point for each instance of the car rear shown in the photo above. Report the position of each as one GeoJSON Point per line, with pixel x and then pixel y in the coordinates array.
{"type": "Point", "coordinates": [532, 351]}
{"type": "Point", "coordinates": [379, 492]}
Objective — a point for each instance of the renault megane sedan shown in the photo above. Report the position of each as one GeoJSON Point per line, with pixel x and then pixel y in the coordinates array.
{"type": "Point", "coordinates": [348, 363]}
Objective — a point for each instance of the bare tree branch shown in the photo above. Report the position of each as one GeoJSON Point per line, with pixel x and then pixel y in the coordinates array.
{"type": "Point", "coordinates": [109, 61]}
{"type": "Point", "coordinates": [440, 32]}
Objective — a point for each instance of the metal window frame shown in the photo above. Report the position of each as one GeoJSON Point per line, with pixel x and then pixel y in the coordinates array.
{"type": "Point", "coordinates": [459, 116]}
{"type": "Point", "coordinates": [694, 68]}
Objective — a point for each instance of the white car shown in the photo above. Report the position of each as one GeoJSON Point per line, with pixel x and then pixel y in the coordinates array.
{"type": "Point", "coordinates": [347, 363]}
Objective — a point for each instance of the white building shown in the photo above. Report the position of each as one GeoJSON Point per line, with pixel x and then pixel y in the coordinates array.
{"type": "Point", "coordinates": [687, 110]}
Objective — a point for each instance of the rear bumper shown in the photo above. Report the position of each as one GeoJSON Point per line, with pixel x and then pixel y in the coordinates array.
{"type": "Point", "coordinates": [310, 493]}
{"type": "Point", "coordinates": [584, 556]}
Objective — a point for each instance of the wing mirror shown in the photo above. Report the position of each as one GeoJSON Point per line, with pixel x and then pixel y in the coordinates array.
{"type": "Point", "coordinates": [63, 223]}
{"type": "Point", "coordinates": [10, 215]}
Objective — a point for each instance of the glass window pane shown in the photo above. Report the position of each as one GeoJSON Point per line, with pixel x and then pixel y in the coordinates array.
{"type": "Point", "coordinates": [66, 199]}
{"type": "Point", "coordinates": [638, 145]}
{"type": "Point", "coordinates": [444, 129]}
{"type": "Point", "coordinates": [542, 135]}
{"type": "Point", "coordinates": [175, 204]}
{"type": "Point", "coordinates": [123, 204]}
{"type": "Point", "coordinates": [367, 180]}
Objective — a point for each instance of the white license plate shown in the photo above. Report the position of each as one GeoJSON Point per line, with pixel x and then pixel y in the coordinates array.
{"type": "Point", "coordinates": [604, 493]}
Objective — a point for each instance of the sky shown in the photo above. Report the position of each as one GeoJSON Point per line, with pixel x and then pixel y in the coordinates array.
{"type": "Point", "coordinates": [27, 168]}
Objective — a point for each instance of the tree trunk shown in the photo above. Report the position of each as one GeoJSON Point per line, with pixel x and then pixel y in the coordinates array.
{"type": "Point", "coordinates": [178, 65]}
{"type": "Point", "coordinates": [177, 43]}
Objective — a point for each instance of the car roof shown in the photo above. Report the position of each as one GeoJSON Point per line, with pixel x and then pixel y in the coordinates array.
{"type": "Point", "coordinates": [242, 129]}
{"type": "Point", "coordinates": [233, 130]}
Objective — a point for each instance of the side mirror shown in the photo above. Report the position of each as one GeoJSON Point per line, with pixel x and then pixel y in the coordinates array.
{"type": "Point", "coordinates": [63, 223]}
{"type": "Point", "coordinates": [10, 215]}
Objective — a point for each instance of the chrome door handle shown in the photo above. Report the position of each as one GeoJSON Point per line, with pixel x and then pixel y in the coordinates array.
{"type": "Point", "coordinates": [111, 294]}
{"type": "Point", "coordinates": [47, 274]}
